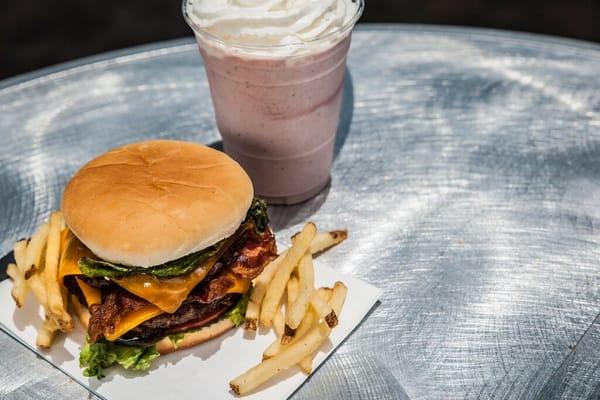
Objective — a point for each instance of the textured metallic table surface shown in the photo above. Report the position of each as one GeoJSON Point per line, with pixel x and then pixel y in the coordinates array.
{"type": "Point", "coordinates": [467, 170]}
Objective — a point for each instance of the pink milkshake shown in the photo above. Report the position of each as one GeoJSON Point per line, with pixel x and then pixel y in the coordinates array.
{"type": "Point", "coordinates": [276, 74]}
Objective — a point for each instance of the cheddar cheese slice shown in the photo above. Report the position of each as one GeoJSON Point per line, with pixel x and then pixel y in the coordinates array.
{"type": "Point", "coordinates": [165, 295]}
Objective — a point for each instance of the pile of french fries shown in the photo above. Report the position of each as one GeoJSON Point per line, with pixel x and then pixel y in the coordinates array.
{"type": "Point", "coordinates": [36, 269]}
{"type": "Point", "coordinates": [303, 318]}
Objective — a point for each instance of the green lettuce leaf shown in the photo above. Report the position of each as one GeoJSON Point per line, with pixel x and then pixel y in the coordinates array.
{"type": "Point", "coordinates": [98, 269]}
{"type": "Point", "coordinates": [258, 213]}
{"type": "Point", "coordinates": [95, 357]}
{"type": "Point", "coordinates": [93, 268]}
{"type": "Point", "coordinates": [237, 314]}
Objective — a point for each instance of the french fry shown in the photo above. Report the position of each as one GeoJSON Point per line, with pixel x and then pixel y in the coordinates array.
{"type": "Point", "coordinates": [311, 316]}
{"type": "Point", "coordinates": [338, 297]}
{"type": "Point", "coordinates": [261, 283]}
{"type": "Point", "coordinates": [278, 284]}
{"type": "Point", "coordinates": [35, 251]}
{"type": "Point", "coordinates": [82, 313]}
{"type": "Point", "coordinates": [18, 290]}
{"type": "Point", "coordinates": [46, 333]}
{"type": "Point", "coordinates": [325, 240]}
{"type": "Point", "coordinates": [325, 293]}
{"type": "Point", "coordinates": [306, 278]}
{"type": "Point", "coordinates": [322, 241]}
{"type": "Point", "coordinates": [279, 323]}
{"type": "Point", "coordinates": [274, 348]}
{"type": "Point", "coordinates": [252, 314]}
{"type": "Point", "coordinates": [323, 310]}
{"type": "Point", "coordinates": [288, 357]}
{"type": "Point", "coordinates": [310, 319]}
{"type": "Point", "coordinates": [293, 285]}
{"type": "Point", "coordinates": [56, 304]}
{"type": "Point", "coordinates": [19, 251]}
{"type": "Point", "coordinates": [38, 287]}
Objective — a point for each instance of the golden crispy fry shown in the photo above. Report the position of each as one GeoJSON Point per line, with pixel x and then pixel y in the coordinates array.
{"type": "Point", "coordinates": [56, 305]}
{"type": "Point", "coordinates": [288, 357]}
{"type": "Point", "coordinates": [323, 310]}
{"type": "Point", "coordinates": [293, 285]}
{"type": "Point", "coordinates": [338, 297]}
{"type": "Point", "coordinates": [82, 313]}
{"type": "Point", "coordinates": [278, 283]}
{"type": "Point", "coordinates": [325, 240]}
{"type": "Point", "coordinates": [261, 283]}
{"type": "Point", "coordinates": [34, 283]}
{"type": "Point", "coordinates": [19, 288]}
{"type": "Point", "coordinates": [35, 251]}
{"type": "Point", "coordinates": [306, 278]}
{"type": "Point", "coordinates": [19, 291]}
{"type": "Point", "coordinates": [46, 334]}
{"type": "Point", "coordinates": [281, 342]}
{"type": "Point", "coordinates": [19, 251]}
{"type": "Point", "coordinates": [38, 287]}
{"type": "Point", "coordinates": [279, 323]}
{"type": "Point", "coordinates": [273, 349]}
{"type": "Point", "coordinates": [325, 293]}
{"type": "Point", "coordinates": [310, 314]}
{"type": "Point", "coordinates": [252, 314]}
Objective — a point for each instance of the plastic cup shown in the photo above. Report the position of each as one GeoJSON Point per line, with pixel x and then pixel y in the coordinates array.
{"type": "Point", "coordinates": [278, 107]}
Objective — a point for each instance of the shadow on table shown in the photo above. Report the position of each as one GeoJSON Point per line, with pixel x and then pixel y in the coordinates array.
{"type": "Point", "coordinates": [347, 112]}
{"type": "Point", "coordinates": [285, 216]}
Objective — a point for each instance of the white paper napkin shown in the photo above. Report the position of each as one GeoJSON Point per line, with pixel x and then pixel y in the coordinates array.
{"type": "Point", "coordinates": [201, 372]}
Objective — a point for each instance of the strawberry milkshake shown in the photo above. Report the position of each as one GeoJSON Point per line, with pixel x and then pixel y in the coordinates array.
{"type": "Point", "coordinates": [276, 74]}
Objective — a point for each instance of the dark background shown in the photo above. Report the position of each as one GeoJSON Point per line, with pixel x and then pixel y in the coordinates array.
{"type": "Point", "coordinates": [38, 33]}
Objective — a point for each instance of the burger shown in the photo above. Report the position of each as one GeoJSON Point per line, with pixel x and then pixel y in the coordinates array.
{"type": "Point", "coordinates": [163, 240]}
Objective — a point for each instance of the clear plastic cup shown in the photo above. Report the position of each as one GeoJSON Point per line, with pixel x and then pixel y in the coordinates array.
{"type": "Point", "coordinates": [278, 107]}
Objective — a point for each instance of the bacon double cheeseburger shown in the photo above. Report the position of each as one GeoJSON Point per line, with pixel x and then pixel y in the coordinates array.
{"type": "Point", "coordinates": [163, 240]}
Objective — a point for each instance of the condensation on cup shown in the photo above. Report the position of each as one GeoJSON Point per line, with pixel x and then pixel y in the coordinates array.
{"type": "Point", "coordinates": [277, 105]}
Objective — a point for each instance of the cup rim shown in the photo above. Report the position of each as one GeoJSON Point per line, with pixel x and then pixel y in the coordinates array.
{"type": "Point", "coordinates": [341, 31]}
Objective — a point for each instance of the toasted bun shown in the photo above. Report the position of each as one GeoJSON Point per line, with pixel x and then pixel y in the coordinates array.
{"type": "Point", "coordinates": [191, 339]}
{"type": "Point", "coordinates": [147, 203]}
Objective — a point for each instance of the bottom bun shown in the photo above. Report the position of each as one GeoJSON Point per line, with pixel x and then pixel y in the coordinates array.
{"type": "Point", "coordinates": [191, 339]}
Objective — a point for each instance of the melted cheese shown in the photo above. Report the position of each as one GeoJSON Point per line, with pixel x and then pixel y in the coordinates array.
{"type": "Point", "coordinates": [133, 319]}
{"type": "Point", "coordinates": [71, 252]}
{"type": "Point", "coordinates": [91, 294]}
{"type": "Point", "coordinates": [166, 295]}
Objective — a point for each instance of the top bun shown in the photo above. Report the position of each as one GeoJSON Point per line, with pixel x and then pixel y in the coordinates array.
{"type": "Point", "coordinates": [151, 202]}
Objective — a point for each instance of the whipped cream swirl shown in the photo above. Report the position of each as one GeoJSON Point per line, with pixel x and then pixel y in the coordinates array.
{"type": "Point", "coordinates": [270, 22]}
